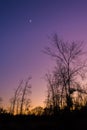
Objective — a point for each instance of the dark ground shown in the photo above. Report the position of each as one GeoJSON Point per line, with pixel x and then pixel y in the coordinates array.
{"type": "Point", "coordinates": [65, 122]}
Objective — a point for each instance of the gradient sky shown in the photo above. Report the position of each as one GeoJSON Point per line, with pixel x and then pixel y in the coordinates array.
{"type": "Point", "coordinates": [22, 40]}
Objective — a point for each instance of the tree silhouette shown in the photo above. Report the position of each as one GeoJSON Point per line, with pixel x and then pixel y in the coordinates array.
{"type": "Point", "coordinates": [37, 111]}
{"type": "Point", "coordinates": [25, 91]}
{"type": "Point", "coordinates": [20, 103]}
{"type": "Point", "coordinates": [15, 99]}
{"type": "Point", "coordinates": [69, 67]}
{"type": "Point", "coordinates": [1, 100]}
{"type": "Point", "coordinates": [53, 95]}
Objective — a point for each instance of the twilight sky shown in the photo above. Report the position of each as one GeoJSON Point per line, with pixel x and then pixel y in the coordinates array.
{"type": "Point", "coordinates": [24, 29]}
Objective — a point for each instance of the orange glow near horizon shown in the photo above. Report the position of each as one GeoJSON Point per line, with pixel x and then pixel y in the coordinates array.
{"type": "Point", "coordinates": [22, 42]}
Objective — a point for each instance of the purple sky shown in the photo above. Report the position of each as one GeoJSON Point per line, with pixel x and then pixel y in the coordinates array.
{"type": "Point", "coordinates": [22, 41]}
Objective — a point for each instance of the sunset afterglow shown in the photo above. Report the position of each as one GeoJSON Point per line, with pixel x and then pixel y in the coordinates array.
{"type": "Point", "coordinates": [25, 26]}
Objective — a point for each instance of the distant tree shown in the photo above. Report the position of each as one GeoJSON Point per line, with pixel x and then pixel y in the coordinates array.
{"type": "Point", "coordinates": [80, 99]}
{"type": "Point", "coordinates": [14, 99]}
{"type": "Point", "coordinates": [24, 100]}
{"type": "Point", "coordinates": [37, 111]}
{"type": "Point", "coordinates": [1, 101]}
{"type": "Point", "coordinates": [53, 95]}
{"type": "Point", "coordinates": [20, 103]}
{"type": "Point", "coordinates": [70, 65]}
{"type": "Point", "coordinates": [2, 110]}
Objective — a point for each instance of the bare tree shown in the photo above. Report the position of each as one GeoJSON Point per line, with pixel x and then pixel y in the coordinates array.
{"type": "Point", "coordinates": [15, 98]}
{"type": "Point", "coordinates": [69, 66]}
{"type": "Point", "coordinates": [20, 103]}
{"type": "Point", "coordinates": [53, 100]}
{"type": "Point", "coordinates": [53, 95]}
{"type": "Point", "coordinates": [25, 91]}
